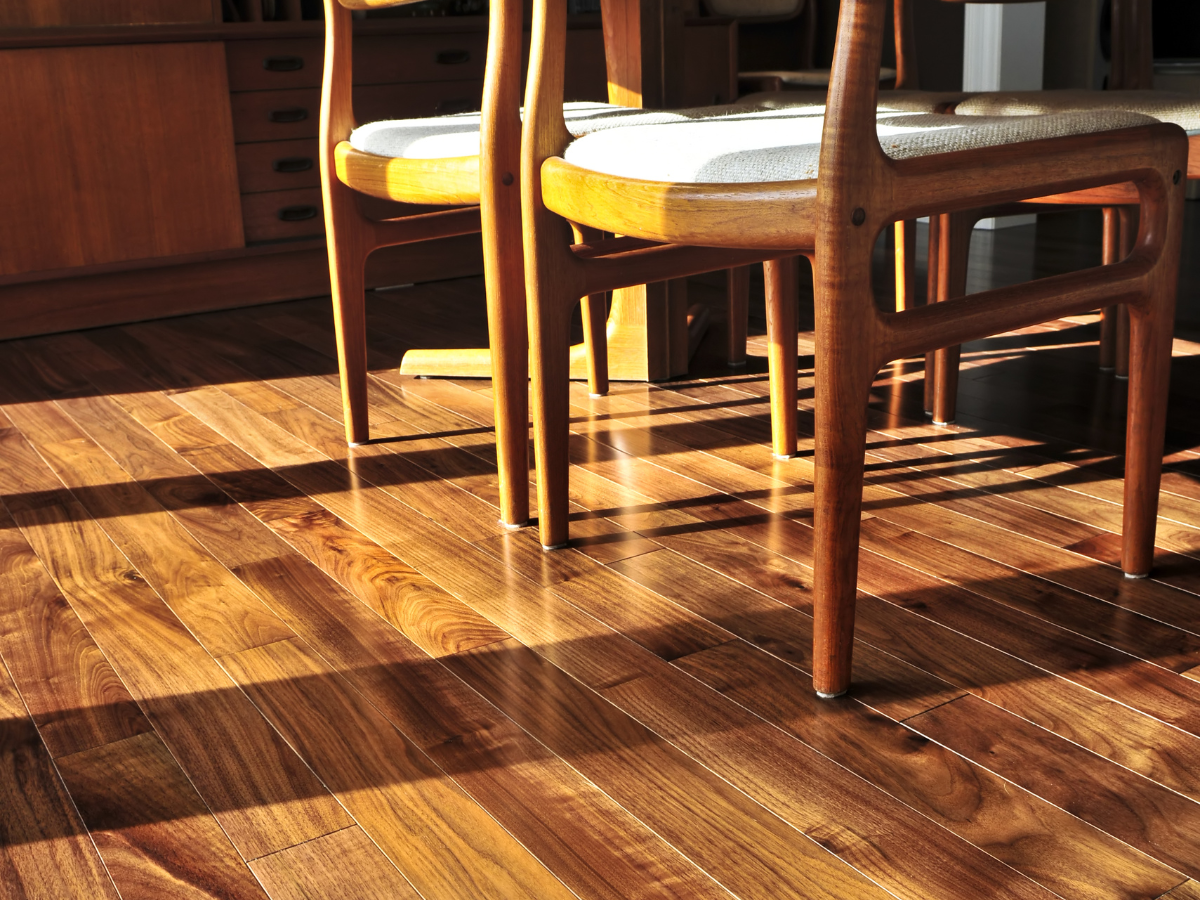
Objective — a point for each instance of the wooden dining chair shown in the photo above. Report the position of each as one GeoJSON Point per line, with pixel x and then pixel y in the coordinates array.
{"type": "Point", "coordinates": [773, 185]}
{"type": "Point", "coordinates": [468, 161]}
{"type": "Point", "coordinates": [1128, 90]}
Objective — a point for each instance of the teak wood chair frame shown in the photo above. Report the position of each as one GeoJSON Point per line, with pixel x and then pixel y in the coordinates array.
{"type": "Point", "coordinates": [950, 235]}
{"type": "Point", "coordinates": [486, 189]}
{"type": "Point", "coordinates": [835, 220]}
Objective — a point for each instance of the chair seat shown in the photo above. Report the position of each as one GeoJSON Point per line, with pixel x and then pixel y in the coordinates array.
{"type": "Point", "coordinates": [889, 101]}
{"type": "Point", "coordinates": [1178, 109]}
{"type": "Point", "coordinates": [455, 136]}
{"type": "Point", "coordinates": [807, 78]}
{"type": "Point", "coordinates": [736, 145]}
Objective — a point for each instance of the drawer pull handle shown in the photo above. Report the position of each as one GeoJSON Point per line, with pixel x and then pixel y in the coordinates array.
{"type": "Point", "coordinates": [453, 57]}
{"type": "Point", "coordinates": [297, 213]}
{"type": "Point", "coordinates": [291, 114]}
{"type": "Point", "coordinates": [283, 63]}
{"type": "Point", "coordinates": [454, 106]}
{"type": "Point", "coordinates": [291, 164]}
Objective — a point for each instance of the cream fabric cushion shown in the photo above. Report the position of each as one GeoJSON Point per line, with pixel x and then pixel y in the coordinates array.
{"type": "Point", "coordinates": [738, 145]}
{"type": "Point", "coordinates": [889, 101]}
{"type": "Point", "coordinates": [447, 137]}
{"type": "Point", "coordinates": [1179, 109]}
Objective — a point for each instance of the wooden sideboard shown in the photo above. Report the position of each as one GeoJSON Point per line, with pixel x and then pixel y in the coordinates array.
{"type": "Point", "coordinates": [168, 168]}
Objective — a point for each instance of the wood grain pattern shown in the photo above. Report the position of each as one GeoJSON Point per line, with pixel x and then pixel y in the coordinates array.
{"type": "Point", "coordinates": [344, 865]}
{"type": "Point", "coordinates": [163, 108]}
{"type": "Point", "coordinates": [443, 843]}
{"type": "Point", "coordinates": [73, 694]}
{"type": "Point", "coordinates": [44, 847]}
{"type": "Point", "coordinates": [260, 792]}
{"type": "Point", "coordinates": [156, 836]}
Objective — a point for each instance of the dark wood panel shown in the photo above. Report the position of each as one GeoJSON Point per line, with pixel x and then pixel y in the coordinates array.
{"type": "Point", "coordinates": [67, 13]}
{"type": "Point", "coordinates": [154, 109]}
{"type": "Point", "coordinates": [277, 215]}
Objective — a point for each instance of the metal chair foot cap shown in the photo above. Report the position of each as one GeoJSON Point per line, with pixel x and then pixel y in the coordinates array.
{"type": "Point", "coordinates": [597, 396]}
{"type": "Point", "coordinates": [947, 422]}
{"type": "Point", "coordinates": [784, 456]}
{"type": "Point", "coordinates": [1122, 378]}
{"type": "Point", "coordinates": [513, 526]}
{"type": "Point", "coordinates": [356, 443]}
{"type": "Point", "coordinates": [834, 696]}
{"type": "Point", "coordinates": [1137, 577]}
{"type": "Point", "coordinates": [561, 546]}
{"type": "Point", "coordinates": [1108, 368]}
{"type": "Point", "coordinates": [736, 365]}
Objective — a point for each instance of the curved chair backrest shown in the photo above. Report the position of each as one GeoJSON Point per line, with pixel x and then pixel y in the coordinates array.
{"type": "Point", "coordinates": [500, 133]}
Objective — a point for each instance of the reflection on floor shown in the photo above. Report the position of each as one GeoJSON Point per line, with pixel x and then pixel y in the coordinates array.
{"type": "Point", "coordinates": [242, 661]}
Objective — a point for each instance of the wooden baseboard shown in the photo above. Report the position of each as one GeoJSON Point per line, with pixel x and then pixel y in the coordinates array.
{"type": "Point", "coordinates": [132, 295]}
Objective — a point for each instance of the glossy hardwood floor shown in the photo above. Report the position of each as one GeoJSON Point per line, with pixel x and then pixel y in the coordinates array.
{"type": "Point", "coordinates": [240, 660]}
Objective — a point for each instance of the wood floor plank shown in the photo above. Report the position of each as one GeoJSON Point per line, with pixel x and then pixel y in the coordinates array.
{"type": "Point", "coordinates": [744, 846]}
{"type": "Point", "coordinates": [264, 797]}
{"type": "Point", "coordinates": [154, 833]}
{"type": "Point", "coordinates": [73, 694]}
{"type": "Point", "coordinates": [344, 865]}
{"type": "Point", "coordinates": [1157, 821]}
{"type": "Point", "coordinates": [1052, 847]}
{"type": "Point", "coordinates": [593, 846]}
{"type": "Point", "coordinates": [45, 850]}
{"type": "Point", "coordinates": [442, 842]}
{"type": "Point", "coordinates": [1189, 890]}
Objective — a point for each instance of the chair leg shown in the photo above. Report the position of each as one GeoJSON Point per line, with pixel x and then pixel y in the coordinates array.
{"type": "Point", "coordinates": [931, 295]}
{"type": "Point", "coordinates": [595, 342]}
{"type": "Point", "coordinates": [1111, 254]}
{"type": "Point", "coordinates": [1150, 337]}
{"type": "Point", "coordinates": [843, 388]}
{"type": "Point", "coordinates": [550, 345]}
{"type": "Point", "coordinates": [782, 278]}
{"type": "Point", "coordinates": [955, 239]}
{"type": "Point", "coordinates": [906, 265]}
{"type": "Point", "coordinates": [737, 282]}
{"type": "Point", "coordinates": [595, 325]}
{"type": "Point", "coordinates": [348, 283]}
{"type": "Point", "coordinates": [1127, 218]}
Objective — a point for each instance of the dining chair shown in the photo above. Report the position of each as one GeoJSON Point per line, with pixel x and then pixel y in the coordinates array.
{"type": "Point", "coordinates": [470, 162]}
{"type": "Point", "coordinates": [1128, 90]}
{"type": "Point", "coordinates": [723, 186]}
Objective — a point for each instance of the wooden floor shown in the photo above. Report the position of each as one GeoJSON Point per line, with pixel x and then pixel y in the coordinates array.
{"type": "Point", "coordinates": [240, 661]}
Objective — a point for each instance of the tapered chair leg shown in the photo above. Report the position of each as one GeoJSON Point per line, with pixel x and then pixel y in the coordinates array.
{"type": "Point", "coordinates": [1127, 217]}
{"type": "Point", "coordinates": [348, 282]}
{"type": "Point", "coordinates": [931, 295]}
{"type": "Point", "coordinates": [1110, 255]}
{"type": "Point", "coordinates": [737, 287]}
{"type": "Point", "coordinates": [782, 278]}
{"type": "Point", "coordinates": [595, 325]}
{"type": "Point", "coordinates": [1150, 337]}
{"type": "Point", "coordinates": [845, 365]}
{"type": "Point", "coordinates": [955, 239]}
{"type": "Point", "coordinates": [842, 390]}
{"type": "Point", "coordinates": [550, 332]}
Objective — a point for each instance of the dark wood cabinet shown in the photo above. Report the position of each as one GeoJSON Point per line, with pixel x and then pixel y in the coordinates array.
{"type": "Point", "coordinates": [163, 169]}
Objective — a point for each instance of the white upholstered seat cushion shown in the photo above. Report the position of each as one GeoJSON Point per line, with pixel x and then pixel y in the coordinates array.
{"type": "Point", "coordinates": [1179, 109]}
{"type": "Point", "coordinates": [448, 137]}
{"type": "Point", "coordinates": [729, 145]}
{"type": "Point", "coordinates": [889, 101]}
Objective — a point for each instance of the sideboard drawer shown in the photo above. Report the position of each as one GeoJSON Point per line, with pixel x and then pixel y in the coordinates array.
{"type": "Point", "coordinates": [275, 215]}
{"type": "Point", "coordinates": [275, 64]}
{"type": "Point", "coordinates": [419, 57]}
{"type": "Point", "coordinates": [276, 115]}
{"type": "Point", "coordinates": [278, 165]}
{"type": "Point", "coordinates": [285, 115]}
